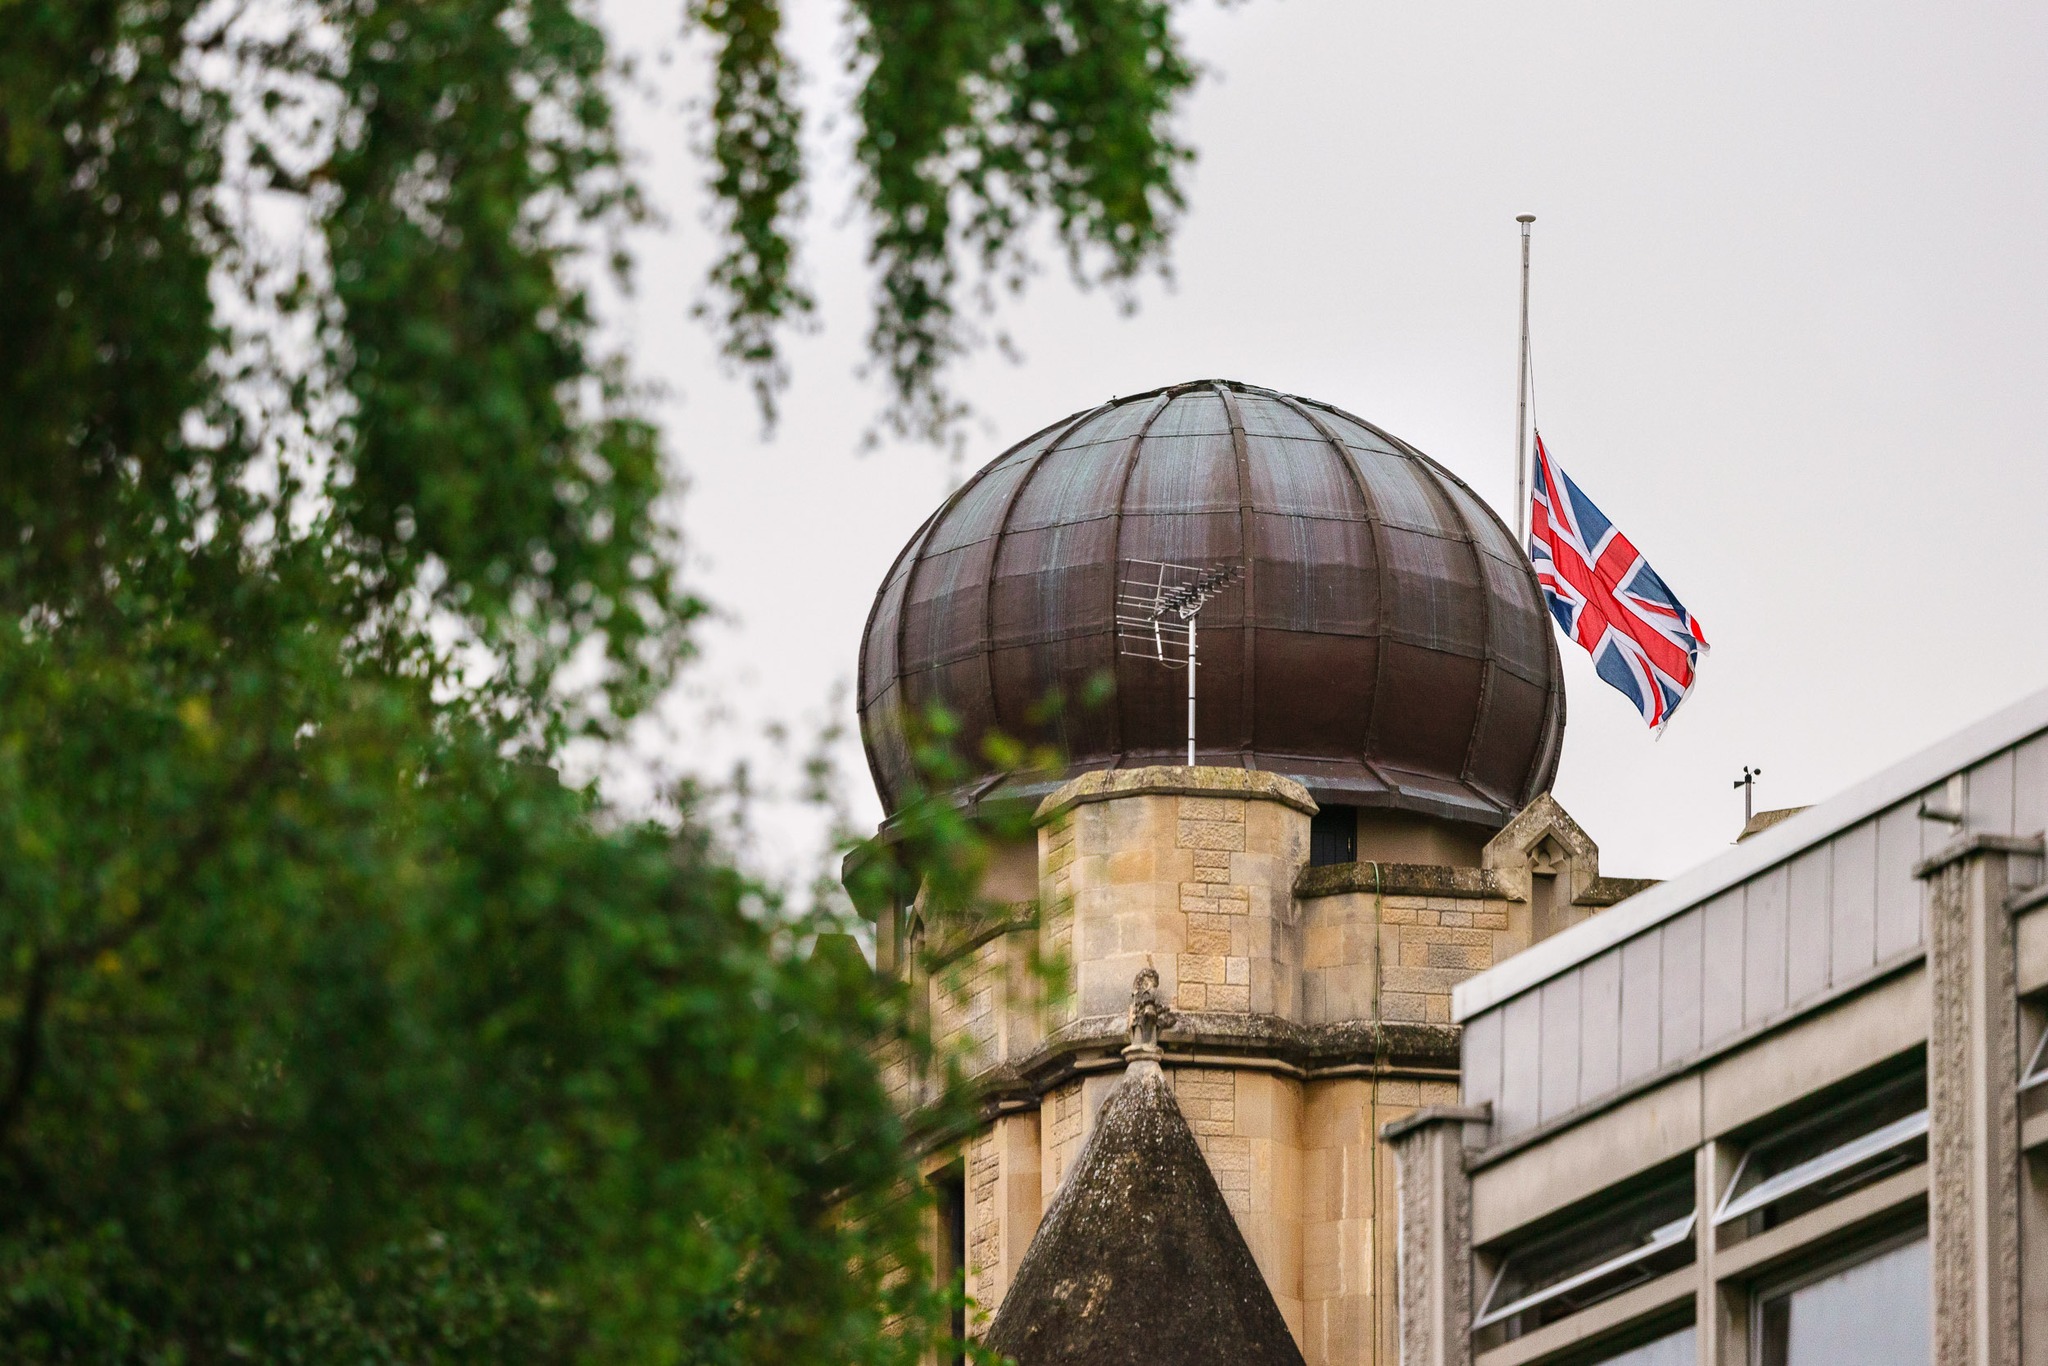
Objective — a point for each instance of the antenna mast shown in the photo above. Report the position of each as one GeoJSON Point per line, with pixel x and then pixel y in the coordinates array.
{"type": "Point", "coordinates": [1156, 607]}
{"type": "Point", "coordinates": [1747, 782]}
{"type": "Point", "coordinates": [1522, 393]}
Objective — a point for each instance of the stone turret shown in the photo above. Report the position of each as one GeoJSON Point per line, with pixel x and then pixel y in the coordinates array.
{"type": "Point", "coordinates": [1381, 712]}
{"type": "Point", "coordinates": [1290, 1009]}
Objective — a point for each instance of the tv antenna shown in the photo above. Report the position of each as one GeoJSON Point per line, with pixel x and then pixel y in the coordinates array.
{"type": "Point", "coordinates": [1156, 607]}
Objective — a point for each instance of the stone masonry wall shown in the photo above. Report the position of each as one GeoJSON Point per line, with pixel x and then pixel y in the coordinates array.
{"type": "Point", "coordinates": [1248, 1125]}
{"type": "Point", "coordinates": [968, 997]}
{"type": "Point", "coordinates": [1428, 945]}
{"type": "Point", "coordinates": [1191, 876]}
{"type": "Point", "coordinates": [1004, 1201]}
{"type": "Point", "coordinates": [1195, 874]}
{"type": "Point", "coordinates": [1214, 968]}
{"type": "Point", "coordinates": [1348, 1217]}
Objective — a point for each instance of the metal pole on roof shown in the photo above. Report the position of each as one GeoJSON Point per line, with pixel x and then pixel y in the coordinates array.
{"type": "Point", "coordinates": [1747, 782]}
{"type": "Point", "coordinates": [1155, 602]}
{"type": "Point", "coordinates": [1522, 392]}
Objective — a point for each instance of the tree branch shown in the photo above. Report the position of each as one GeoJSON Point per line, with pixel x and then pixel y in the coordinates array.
{"type": "Point", "coordinates": [28, 1043]}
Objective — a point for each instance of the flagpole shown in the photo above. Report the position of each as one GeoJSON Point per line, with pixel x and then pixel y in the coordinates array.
{"type": "Point", "coordinates": [1522, 393]}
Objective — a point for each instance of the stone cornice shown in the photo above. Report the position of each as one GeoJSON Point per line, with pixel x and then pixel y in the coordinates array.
{"type": "Point", "coordinates": [1434, 879]}
{"type": "Point", "coordinates": [979, 924]}
{"type": "Point", "coordinates": [1166, 781]}
{"type": "Point", "coordinates": [2025, 846]}
{"type": "Point", "coordinates": [1606, 891]}
{"type": "Point", "coordinates": [1266, 1042]}
{"type": "Point", "coordinates": [1398, 879]}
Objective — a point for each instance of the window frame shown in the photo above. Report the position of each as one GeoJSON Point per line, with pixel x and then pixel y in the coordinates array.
{"type": "Point", "coordinates": [1662, 1238]}
{"type": "Point", "coordinates": [2035, 1073]}
{"type": "Point", "coordinates": [1805, 1175]}
{"type": "Point", "coordinates": [1881, 1087]}
{"type": "Point", "coordinates": [1788, 1283]}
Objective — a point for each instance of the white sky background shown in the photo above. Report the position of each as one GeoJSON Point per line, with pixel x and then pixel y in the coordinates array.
{"type": "Point", "coordinates": [1791, 325]}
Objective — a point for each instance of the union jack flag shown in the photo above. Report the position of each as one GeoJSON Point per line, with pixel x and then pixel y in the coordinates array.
{"type": "Point", "coordinates": [1607, 598]}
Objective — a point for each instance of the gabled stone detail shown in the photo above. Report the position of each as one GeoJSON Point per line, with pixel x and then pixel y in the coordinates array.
{"type": "Point", "coordinates": [1542, 838]}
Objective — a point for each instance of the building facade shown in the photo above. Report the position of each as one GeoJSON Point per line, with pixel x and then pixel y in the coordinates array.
{"type": "Point", "coordinates": [1790, 1109]}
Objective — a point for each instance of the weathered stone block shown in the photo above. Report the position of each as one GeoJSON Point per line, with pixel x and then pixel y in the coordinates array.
{"type": "Point", "coordinates": [1460, 956]}
{"type": "Point", "coordinates": [1133, 865]}
{"type": "Point", "coordinates": [1212, 809]}
{"type": "Point", "coordinates": [1195, 899]}
{"type": "Point", "coordinates": [1322, 946]}
{"type": "Point", "coordinates": [1230, 998]}
{"type": "Point", "coordinates": [1405, 1007]}
{"type": "Point", "coordinates": [1210, 835]}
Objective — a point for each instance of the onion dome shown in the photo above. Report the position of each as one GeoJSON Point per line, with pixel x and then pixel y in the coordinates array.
{"type": "Point", "coordinates": [1385, 644]}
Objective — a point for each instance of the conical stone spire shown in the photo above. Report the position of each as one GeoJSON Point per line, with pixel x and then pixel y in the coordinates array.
{"type": "Point", "coordinates": [1138, 1262]}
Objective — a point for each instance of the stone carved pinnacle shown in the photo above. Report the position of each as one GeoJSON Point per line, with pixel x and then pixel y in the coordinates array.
{"type": "Point", "coordinates": [1149, 1014]}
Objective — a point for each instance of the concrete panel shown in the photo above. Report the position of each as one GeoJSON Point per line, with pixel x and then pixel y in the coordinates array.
{"type": "Point", "coordinates": [1721, 969]}
{"type": "Point", "coordinates": [1642, 1132]}
{"type": "Point", "coordinates": [2030, 787]}
{"type": "Point", "coordinates": [1806, 926]}
{"type": "Point", "coordinates": [2030, 949]}
{"type": "Point", "coordinates": [1684, 994]}
{"type": "Point", "coordinates": [1988, 795]}
{"type": "Point", "coordinates": [1482, 1058]}
{"type": "Point", "coordinates": [1813, 1052]}
{"type": "Point", "coordinates": [1852, 935]}
{"type": "Point", "coordinates": [1898, 891]}
{"type": "Point", "coordinates": [1559, 1089]}
{"type": "Point", "coordinates": [1642, 981]}
{"type": "Point", "coordinates": [1600, 1025]}
{"type": "Point", "coordinates": [1763, 946]}
{"type": "Point", "coordinates": [1520, 1072]}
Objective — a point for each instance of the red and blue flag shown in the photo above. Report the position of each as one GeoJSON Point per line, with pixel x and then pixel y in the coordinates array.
{"type": "Point", "coordinates": [1607, 598]}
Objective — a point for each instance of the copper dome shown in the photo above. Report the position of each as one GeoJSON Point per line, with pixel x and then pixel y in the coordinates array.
{"type": "Point", "coordinates": [1386, 646]}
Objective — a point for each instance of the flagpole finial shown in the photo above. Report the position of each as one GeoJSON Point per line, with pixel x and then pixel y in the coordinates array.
{"type": "Point", "coordinates": [1525, 218]}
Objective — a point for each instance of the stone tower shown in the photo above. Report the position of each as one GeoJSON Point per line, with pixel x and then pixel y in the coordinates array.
{"type": "Point", "coordinates": [1369, 823]}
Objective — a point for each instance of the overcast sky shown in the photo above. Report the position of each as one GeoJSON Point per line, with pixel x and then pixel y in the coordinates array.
{"type": "Point", "coordinates": [1790, 314]}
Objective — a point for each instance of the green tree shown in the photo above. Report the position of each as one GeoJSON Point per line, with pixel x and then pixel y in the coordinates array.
{"type": "Point", "coordinates": [332, 1026]}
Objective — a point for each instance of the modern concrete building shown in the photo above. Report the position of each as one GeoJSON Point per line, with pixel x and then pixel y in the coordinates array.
{"type": "Point", "coordinates": [1367, 825]}
{"type": "Point", "coordinates": [1790, 1109]}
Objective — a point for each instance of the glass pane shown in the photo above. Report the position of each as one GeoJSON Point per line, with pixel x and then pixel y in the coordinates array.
{"type": "Point", "coordinates": [1676, 1349]}
{"type": "Point", "coordinates": [1333, 836]}
{"type": "Point", "coordinates": [1828, 1154]}
{"type": "Point", "coordinates": [1876, 1310]}
{"type": "Point", "coordinates": [1592, 1258]}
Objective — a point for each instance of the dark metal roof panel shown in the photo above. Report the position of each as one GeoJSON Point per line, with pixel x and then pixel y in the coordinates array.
{"type": "Point", "coordinates": [1386, 622]}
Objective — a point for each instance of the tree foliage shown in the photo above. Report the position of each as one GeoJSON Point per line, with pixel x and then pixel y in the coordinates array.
{"type": "Point", "coordinates": [976, 121]}
{"type": "Point", "coordinates": [332, 1025]}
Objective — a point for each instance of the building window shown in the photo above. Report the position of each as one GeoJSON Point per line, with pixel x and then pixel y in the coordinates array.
{"type": "Point", "coordinates": [1671, 1349]}
{"type": "Point", "coordinates": [950, 1186]}
{"type": "Point", "coordinates": [1589, 1257]}
{"type": "Point", "coordinates": [1333, 836]}
{"type": "Point", "coordinates": [2035, 1073]}
{"type": "Point", "coordinates": [2033, 1084]}
{"type": "Point", "coordinates": [1810, 1161]}
{"type": "Point", "coordinates": [1871, 1310]}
